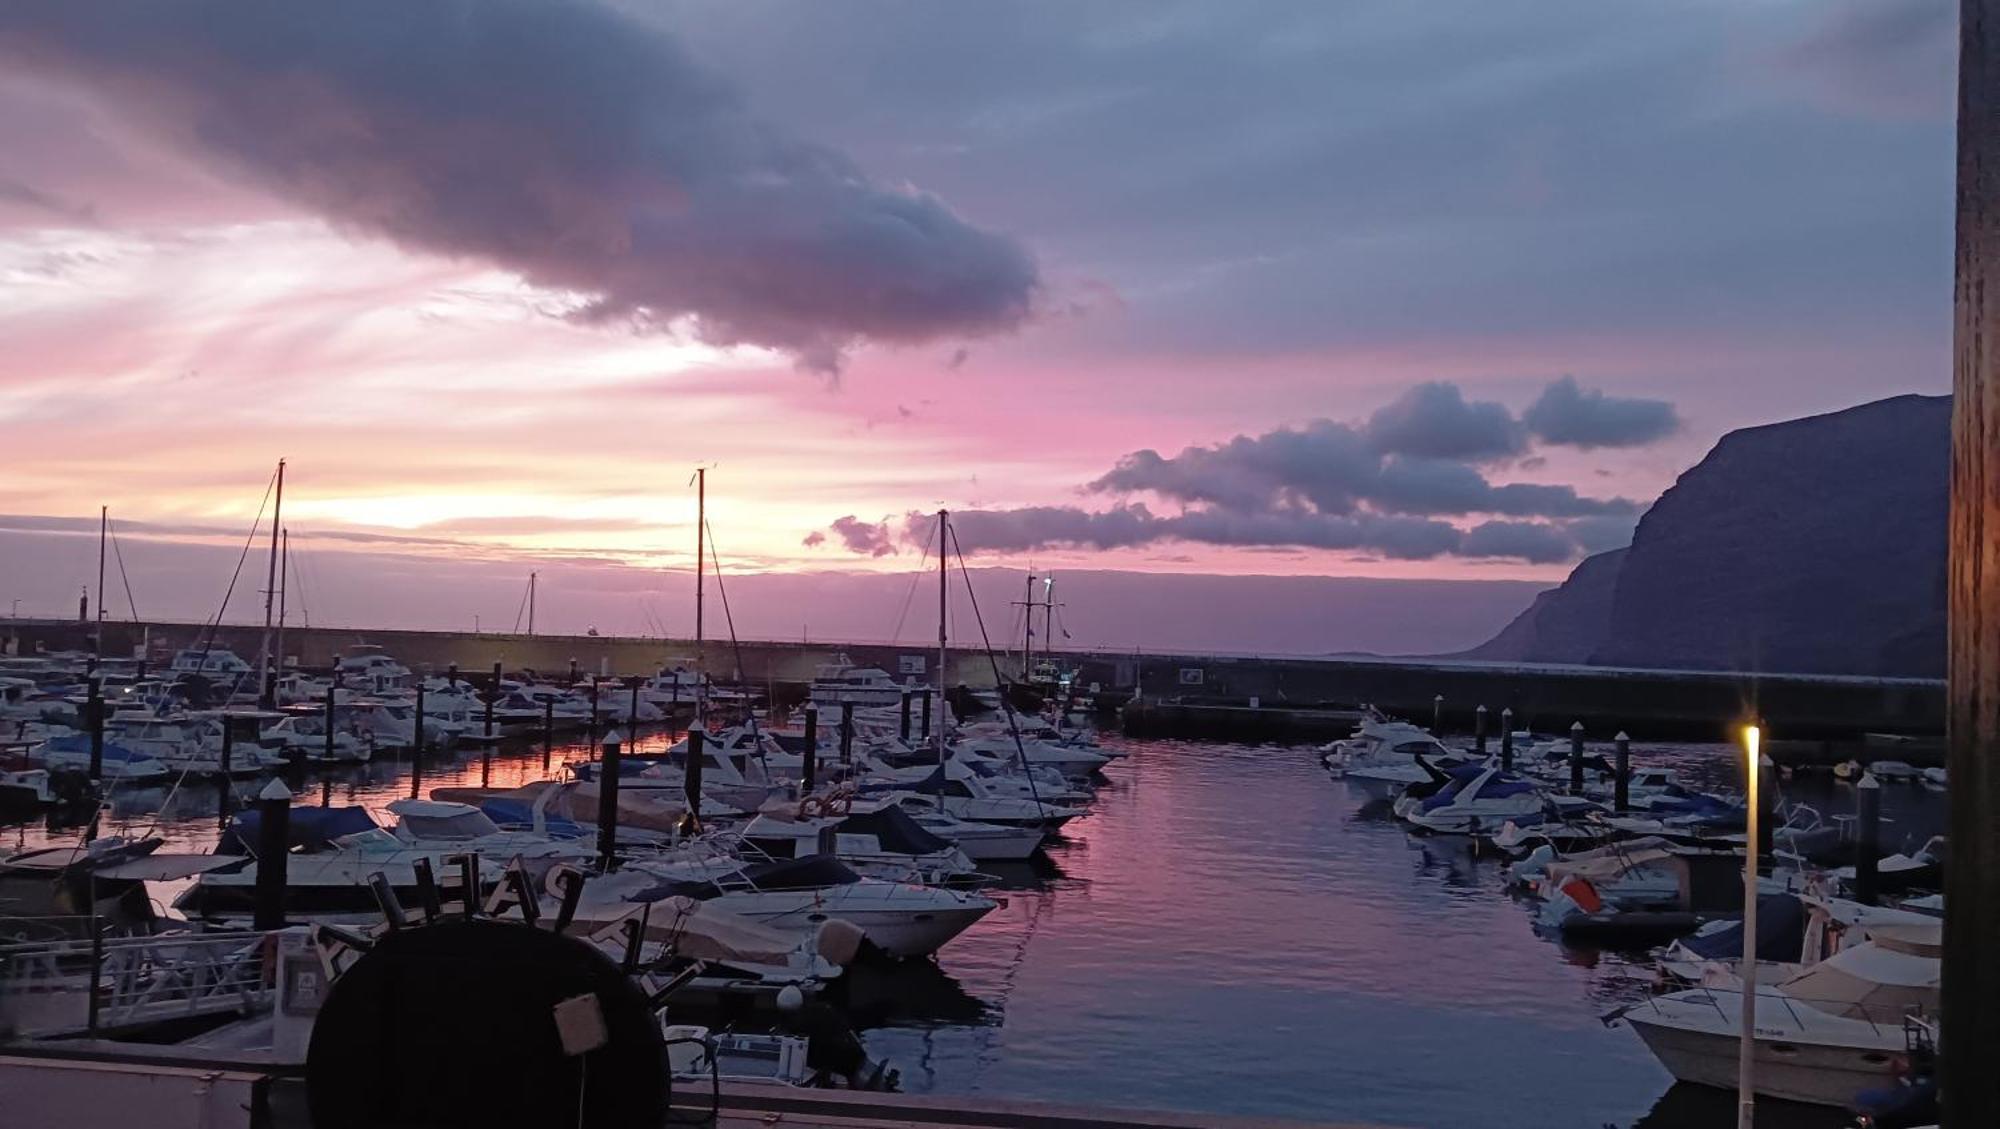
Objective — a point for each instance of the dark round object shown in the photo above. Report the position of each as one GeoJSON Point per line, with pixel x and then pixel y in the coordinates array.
{"type": "Point", "coordinates": [453, 1024]}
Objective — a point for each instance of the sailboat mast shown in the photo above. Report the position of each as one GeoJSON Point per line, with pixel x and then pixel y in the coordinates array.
{"type": "Point", "coordinates": [103, 532]}
{"type": "Point", "coordinates": [1028, 629]}
{"type": "Point", "coordinates": [284, 574]}
{"type": "Point", "coordinates": [531, 603]}
{"type": "Point", "coordinates": [271, 593]}
{"type": "Point", "coordinates": [1048, 615]}
{"type": "Point", "coordinates": [944, 530]}
{"type": "Point", "coordinates": [700, 565]}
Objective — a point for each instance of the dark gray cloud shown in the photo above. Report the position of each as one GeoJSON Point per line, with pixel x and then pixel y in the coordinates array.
{"type": "Point", "coordinates": [864, 537]}
{"type": "Point", "coordinates": [1533, 542]}
{"type": "Point", "coordinates": [1434, 420]}
{"type": "Point", "coordinates": [1380, 487]}
{"type": "Point", "coordinates": [1568, 415]}
{"type": "Point", "coordinates": [563, 139]}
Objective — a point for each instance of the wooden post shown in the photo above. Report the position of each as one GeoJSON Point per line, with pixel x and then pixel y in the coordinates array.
{"type": "Point", "coordinates": [809, 760]}
{"type": "Point", "coordinates": [812, 743]}
{"type": "Point", "coordinates": [1621, 794]}
{"type": "Point", "coordinates": [1971, 1033]}
{"type": "Point", "coordinates": [593, 711]}
{"type": "Point", "coordinates": [328, 738]}
{"type": "Point", "coordinates": [691, 779]}
{"type": "Point", "coordinates": [904, 730]}
{"type": "Point", "coordinates": [1507, 738]}
{"type": "Point", "coordinates": [548, 732]}
{"type": "Point", "coordinates": [274, 816]}
{"type": "Point", "coordinates": [492, 696]}
{"type": "Point", "coordinates": [228, 753]}
{"type": "Point", "coordinates": [1479, 730]}
{"type": "Point", "coordinates": [1867, 837]}
{"type": "Point", "coordinates": [926, 722]}
{"type": "Point", "coordinates": [607, 802]}
{"type": "Point", "coordinates": [1576, 758]}
{"type": "Point", "coordinates": [95, 704]}
{"type": "Point", "coordinates": [1437, 715]}
{"type": "Point", "coordinates": [417, 750]}
{"type": "Point", "coordinates": [847, 732]}
{"type": "Point", "coordinates": [632, 722]}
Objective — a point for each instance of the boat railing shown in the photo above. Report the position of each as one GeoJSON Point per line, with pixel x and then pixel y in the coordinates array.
{"type": "Point", "coordinates": [1878, 1018]}
{"type": "Point", "coordinates": [79, 985]}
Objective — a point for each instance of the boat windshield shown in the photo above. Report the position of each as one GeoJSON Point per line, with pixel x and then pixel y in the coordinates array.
{"type": "Point", "coordinates": [463, 825]}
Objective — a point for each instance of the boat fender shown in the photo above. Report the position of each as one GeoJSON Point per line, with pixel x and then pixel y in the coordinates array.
{"type": "Point", "coordinates": [839, 941]}
{"type": "Point", "coordinates": [1583, 894]}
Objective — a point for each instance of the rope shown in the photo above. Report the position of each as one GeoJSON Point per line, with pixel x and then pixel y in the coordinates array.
{"type": "Point", "coordinates": [120, 554]}
{"type": "Point", "coordinates": [1006, 706]}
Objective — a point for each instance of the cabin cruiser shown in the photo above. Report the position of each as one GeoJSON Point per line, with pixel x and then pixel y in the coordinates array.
{"type": "Point", "coordinates": [1075, 762]}
{"type": "Point", "coordinates": [1383, 756]}
{"type": "Point", "coordinates": [981, 842]}
{"type": "Point", "coordinates": [964, 793]}
{"type": "Point", "coordinates": [24, 789]}
{"type": "Point", "coordinates": [336, 853]}
{"type": "Point", "coordinates": [875, 838]}
{"type": "Point", "coordinates": [1485, 800]}
{"type": "Point", "coordinates": [841, 681]}
{"type": "Point", "coordinates": [800, 894]}
{"type": "Point", "coordinates": [1822, 1036]}
{"type": "Point", "coordinates": [673, 687]}
{"type": "Point", "coordinates": [307, 733]}
{"type": "Point", "coordinates": [121, 763]}
{"type": "Point", "coordinates": [211, 662]}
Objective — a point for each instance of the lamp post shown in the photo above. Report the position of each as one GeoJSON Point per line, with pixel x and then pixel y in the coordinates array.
{"type": "Point", "coordinates": [1746, 1043]}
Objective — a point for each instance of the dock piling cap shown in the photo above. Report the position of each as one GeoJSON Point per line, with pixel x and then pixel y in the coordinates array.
{"type": "Point", "coordinates": [613, 738]}
{"type": "Point", "coordinates": [1622, 736]}
{"type": "Point", "coordinates": [1576, 727]}
{"type": "Point", "coordinates": [275, 790]}
{"type": "Point", "coordinates": [1868, 780]}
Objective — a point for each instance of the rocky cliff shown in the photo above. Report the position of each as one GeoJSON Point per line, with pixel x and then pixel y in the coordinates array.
{"type": "Point", "coordinates": [1811, 546]}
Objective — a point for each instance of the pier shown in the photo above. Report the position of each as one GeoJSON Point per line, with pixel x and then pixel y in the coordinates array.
{"type": "Point", "coordinates": [1269, 696]}
{"type": "Point", "coordinates": [101, 1084]}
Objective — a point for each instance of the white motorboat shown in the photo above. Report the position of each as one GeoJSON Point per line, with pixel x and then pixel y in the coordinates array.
{"type": "Point", "coordinates": [1485, 801]}
{"type": "Point", "coordinates": [875, 838]}
{"type": "Point", "coordinates": [211, 662]}
{"type": "Point", "coordinates": [841, 681]}
{"type": "Point", "coordinates": [1074, 762]}
{"type": "Point", "coordinates": [801, 894]}
{"type": "Point", "coordinates": [963, 793]}
{"type": "Point", "coordinates": [981, 842]}
{"type": "Point", "coordinates": [307, 732]}
{"type": "Point", "coordinates": [124, 765]}
{"type": "Point", "coordinates": [1821, 1036]}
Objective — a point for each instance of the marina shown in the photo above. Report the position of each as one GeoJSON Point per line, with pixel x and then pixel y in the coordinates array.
{"type": "Point", "coordinates": [1329, 1010]}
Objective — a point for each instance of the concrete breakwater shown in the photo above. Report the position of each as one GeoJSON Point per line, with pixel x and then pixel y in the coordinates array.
{"type": "Point", "coordinates": [1297, 696]}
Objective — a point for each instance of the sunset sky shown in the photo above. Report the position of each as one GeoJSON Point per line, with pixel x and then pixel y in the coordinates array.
{"type": "Point", "coordinates": [1445, 291]}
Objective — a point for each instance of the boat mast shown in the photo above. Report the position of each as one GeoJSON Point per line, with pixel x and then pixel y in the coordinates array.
{"type": "Point", "coordinates": [270, 594]}
{"type": "Point", "coordinates": [944, 529]}
{"type": "Point", "coordinates": [1028, 629]}
{"type": "Point", "coordinates": [700, 548]}
{"type": "Point", "coordinates": [284, 564]}
{"type": "Point", "coordinates": [103, 531]}
{"type": "Point", "coordinates": [531, 603]}
{"type": "Point", "coordinates": [1048, 615]}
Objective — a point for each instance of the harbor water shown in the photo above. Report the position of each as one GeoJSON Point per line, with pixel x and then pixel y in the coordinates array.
{"type": "Point", "coordinates": [1230, 931]}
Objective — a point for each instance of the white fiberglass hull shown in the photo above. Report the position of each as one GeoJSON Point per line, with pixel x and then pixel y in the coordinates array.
{"type": "Point", "coordinates": [1819, 1074]}
{"type": "Point", "coordinates": [895, 922]}
{"type": "Point", "coordinates": [1474, 819]}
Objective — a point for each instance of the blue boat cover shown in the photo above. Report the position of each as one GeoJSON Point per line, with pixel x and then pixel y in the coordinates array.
{"type": "Point", "coordinates": [309, 827]}
{"type": "Point", "coordinates": [1781, 932]}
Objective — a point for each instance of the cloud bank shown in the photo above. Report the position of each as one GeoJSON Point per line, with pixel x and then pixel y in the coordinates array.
{"type": "Point", "coordinates": [1408, 483]}
{"type": "Point", "coordinates": [561, 139]}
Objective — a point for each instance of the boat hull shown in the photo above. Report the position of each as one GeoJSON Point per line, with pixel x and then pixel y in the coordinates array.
{"type": "Point", "coordinates": [1802, 1072]}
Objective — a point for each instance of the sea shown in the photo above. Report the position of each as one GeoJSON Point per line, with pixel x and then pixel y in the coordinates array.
{"type": "Point", "coordinates": [1230, 930]}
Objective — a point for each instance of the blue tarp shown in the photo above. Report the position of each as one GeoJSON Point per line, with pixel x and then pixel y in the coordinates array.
{"type": "Point", "coordinates": [310, 827]}
{"type": "Point", "coordinates": [512, 813]}
{"type": "Point", "coordinates": [1781, 932]}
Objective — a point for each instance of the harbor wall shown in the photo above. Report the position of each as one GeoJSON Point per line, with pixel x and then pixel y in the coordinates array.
{"type": "Point", "coordinates": [1173, 694]}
